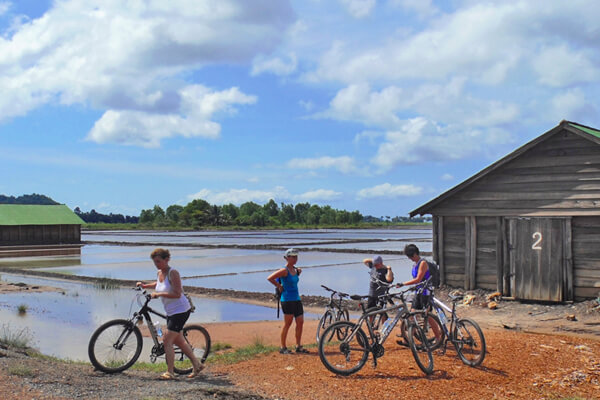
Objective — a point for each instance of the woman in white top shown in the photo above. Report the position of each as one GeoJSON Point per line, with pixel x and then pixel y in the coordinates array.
{"type": "Point", "coordinates": [169, 289]}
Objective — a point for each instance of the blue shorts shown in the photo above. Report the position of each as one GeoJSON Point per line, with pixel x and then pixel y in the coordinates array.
{"type": "Point", "coordinates": [176, 322]}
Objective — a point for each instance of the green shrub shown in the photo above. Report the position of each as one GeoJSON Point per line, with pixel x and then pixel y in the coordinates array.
{"type": "Point", "coordinates": [15, 338]}
{"type": "Point", "coordinates": [22, 309]}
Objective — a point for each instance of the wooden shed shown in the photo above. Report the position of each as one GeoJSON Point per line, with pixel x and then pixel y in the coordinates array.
{"type": "Point", "coordinates": [38, 229]}
{"type": "Point", "coordinates": [527, 225]}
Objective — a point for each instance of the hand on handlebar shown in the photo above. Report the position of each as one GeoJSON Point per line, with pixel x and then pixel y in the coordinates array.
{"type": "Point", "coordinates": [399, 285]}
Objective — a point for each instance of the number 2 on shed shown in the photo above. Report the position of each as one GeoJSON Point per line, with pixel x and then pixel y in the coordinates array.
{"type": "Point", "coordinates": [537, 244]}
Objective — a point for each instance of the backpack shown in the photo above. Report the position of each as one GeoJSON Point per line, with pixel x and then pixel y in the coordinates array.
{"type": "Point", "coordinates": [434, 273]}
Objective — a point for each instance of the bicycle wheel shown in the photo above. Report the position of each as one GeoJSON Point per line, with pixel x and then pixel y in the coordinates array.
{"type": "Point", "coordinates": [343, 357]}
{"type": "Point", "coordinates": [199, 340]}
{"type": "Point", "coordinates": [435, 339]}
{"type": "Point", "coordinates": [469, 342]}
{"type": "Point", "coordinates": [115, 346]}
{"type": "Point", "coordinates": [326, 320]}
{"type": "Point", "coordinates": [342, 315]}
{"type": "Point", "coordinates": [417, 341]}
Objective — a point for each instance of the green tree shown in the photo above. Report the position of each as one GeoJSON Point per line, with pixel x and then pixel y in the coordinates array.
{"type": "Point", "coordinates": [195, 213]}
{"type": "Point", "coordinates": [230, 213]}
{"type": "Point", "coordinates": [215, 215]}
{"type": "Point", "coordinates": [173, 212]}
{"type": "Point", "coordinates": [327, 215]}
{"type": "Point", "coordinates": [301, 210]}
{"type": "Point", "coordinates": [271, 208]}
{"type": "Point", "coordinates": [146, 217]}
{"type": "Point", "coordinates": [249, 208]}
{"type": "Point", "coordinates": [287, 214]}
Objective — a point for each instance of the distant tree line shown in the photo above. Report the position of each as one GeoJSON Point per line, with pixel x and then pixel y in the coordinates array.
{"type": "Point", "coordinates": [96, 217]}
{"type": "Point", "coordinates": [33, 198]}
{"type": "Point", "coordinates": [199, 213]}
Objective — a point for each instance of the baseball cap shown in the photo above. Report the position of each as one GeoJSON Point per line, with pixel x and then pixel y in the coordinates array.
{"type": "Point", "coordinates": [377, 260]}
{"type": "Point", "coordinates": [291, 252]}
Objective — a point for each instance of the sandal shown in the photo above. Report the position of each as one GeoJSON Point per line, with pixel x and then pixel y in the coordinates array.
{"type": "Point", "coordinates": [196, 371]}
{"type": "Point", "coordinates": [284, 350]}
{"type": "Point", "coordinates": [167, 376]}
{"type": "Point", "coordinates": [300, 349]}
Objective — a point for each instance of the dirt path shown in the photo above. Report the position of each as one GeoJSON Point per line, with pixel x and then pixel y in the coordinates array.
{"type": "Point", "coordinates": [534, 352]}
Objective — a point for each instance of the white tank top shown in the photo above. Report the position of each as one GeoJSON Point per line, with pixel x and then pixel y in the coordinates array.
{"type": "Point", "coordinates": [172, 306]}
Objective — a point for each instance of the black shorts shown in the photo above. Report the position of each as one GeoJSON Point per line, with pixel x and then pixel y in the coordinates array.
{"type": "Point", "coordinates": [292, 307]}
{"type": "Point", "coordinates": [421, 301]}
{"type": "Point", "coordinates": [176, 322]}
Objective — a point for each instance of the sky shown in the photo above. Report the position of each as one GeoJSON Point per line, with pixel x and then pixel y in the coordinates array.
{"type": "Point", "coordinates": [370, 105]}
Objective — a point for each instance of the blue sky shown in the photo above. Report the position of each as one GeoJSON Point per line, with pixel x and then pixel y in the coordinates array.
{"type": "Point", "coordinates": [369, 105]}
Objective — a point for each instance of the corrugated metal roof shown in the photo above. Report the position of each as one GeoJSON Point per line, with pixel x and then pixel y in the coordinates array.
{"type": "Point", "coordinates": [586, 129]}
{"type": "Point", "coordinates": [26, 214]}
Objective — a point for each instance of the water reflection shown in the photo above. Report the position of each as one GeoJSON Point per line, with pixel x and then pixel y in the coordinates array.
{"type": "Point", "coordinates": [62, 322]}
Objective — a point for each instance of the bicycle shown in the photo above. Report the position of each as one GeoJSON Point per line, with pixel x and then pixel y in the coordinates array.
{"type": "Point", "coordinates": [117, 344]}
{"type": "Point", "coordinates": [350, 351]}
{"type": "Point", "coordinates": [336, 311]}
{"type": "Point", "coordinates": [464, 333]}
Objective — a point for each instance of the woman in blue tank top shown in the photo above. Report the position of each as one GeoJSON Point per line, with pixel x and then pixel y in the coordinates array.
{"type": "Point", "coordinates": [286, 281]}
{"type": "Point", "coordinates": [420, 272]}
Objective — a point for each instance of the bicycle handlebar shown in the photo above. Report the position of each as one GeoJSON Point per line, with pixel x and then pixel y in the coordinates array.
{"type": "Point", "coordinates": [341, 294]}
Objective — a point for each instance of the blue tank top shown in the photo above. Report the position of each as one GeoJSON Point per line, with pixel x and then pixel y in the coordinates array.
{"type": "Point", "coordinates": [290, 287]}
{"type": "Point", "coordinates": [415, 272]}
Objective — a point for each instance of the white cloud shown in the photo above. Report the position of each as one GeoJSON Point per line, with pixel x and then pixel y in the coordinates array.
{"type": "Point", "coordinates": [4, 7]}
{"type": "Point", "coordinates": [198, 105]}
{"type": "Point", "coordinates": [570, 101]}
{"type": "Point", "coordinates": [277, 65]}
{"type": "Point", "coordinates": [559, 66]}
{"type": "Point", "coordinates": [358, 8]}
{"type": "Point", "coordinates": [368, 136]}
{"type": "Point", "coordinates": [485, 41]}
{"type": "Point", "coordinates": [447, 177]}
{"type": "Point", "coordinates": [423, 8]}
{"type": "Point", "coordinates": [343, 164]}
{"type": "Point", "coordinates": [307, 105]}
{"type": "Point", "coordinates": [387, 190]}
{"type": "Point", "coordinates": [419, 140]}
{"type": "Point", "coordinates": [129, 56]}
{"type": "Point", "coordinates": [239, 196]}
{"type": "Point", "coordinates": [316, 195]}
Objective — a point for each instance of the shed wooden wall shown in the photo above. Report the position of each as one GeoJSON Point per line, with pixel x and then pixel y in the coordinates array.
{"type": "Point", "coordinates": [586, 256]}
{"type": "Point", "coordinates": [486, 254]}
{"type": "Point", "coordinates": [452, 247]}
{"type": "Point", "coordinates": [39, 234]}
{"type": "Point", "coordinates": [558, 177]}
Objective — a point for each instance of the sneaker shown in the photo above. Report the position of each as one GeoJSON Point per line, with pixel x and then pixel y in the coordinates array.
{"type": "Point", "coordinates": [284, 350]}
{"type": "Point", "coordinates": [300, 349]}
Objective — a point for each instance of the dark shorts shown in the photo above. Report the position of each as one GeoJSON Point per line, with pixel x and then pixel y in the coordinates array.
{"type": "Point", "coordinates": [176, 322]}
{"type": "Point", "coordinates": [292, 307]}
{"type": "Point", "coordinates": [421, 301]}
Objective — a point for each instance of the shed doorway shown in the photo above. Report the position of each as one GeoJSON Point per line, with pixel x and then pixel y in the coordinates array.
{"type": "Point", "coordinates": [538, 252]}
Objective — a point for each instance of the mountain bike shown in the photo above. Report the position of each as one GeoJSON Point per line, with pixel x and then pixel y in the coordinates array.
{"type": "Point", "coordinates": [344, 346]}
{"type": "Point", "coordinates": [336, 311]}
{"type": "Point", "coordinates": [117, 344]}
{"type": "Point", "coordinates": [464, 333]}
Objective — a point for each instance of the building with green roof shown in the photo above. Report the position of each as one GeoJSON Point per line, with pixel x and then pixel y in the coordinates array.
{"type": "Point", "coordinates": [528, 225]}
{"type": "Point", "coordinates": [25, 224]}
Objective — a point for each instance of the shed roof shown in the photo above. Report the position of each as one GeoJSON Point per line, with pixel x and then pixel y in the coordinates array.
{"type": "Point", "coordinates": [573, 127]}
{"type": "Point", "coordinates": [28, 214]}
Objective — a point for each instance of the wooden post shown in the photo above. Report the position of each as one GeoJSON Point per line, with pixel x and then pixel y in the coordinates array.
{"type": "Point", "coordinates": [434, 239]}
{"type": "Point", "coordinates": [568, 249]}
{"type": "Point", "coordinates": [499, 255]}
{"type": "Point", "coordinates": [440, 245]}
{"type": "Point", "coordinates": [473, 256]}
{"type": "Point", "coordinates": [467, 252]}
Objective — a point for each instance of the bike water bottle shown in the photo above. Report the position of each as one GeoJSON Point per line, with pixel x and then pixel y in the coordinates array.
{"type": "Point", "coordinates": [386, 326]}
{"type": "Point", "coordinates": [158, 328]}
{"type": "Point", "coordinates": [442, 317]}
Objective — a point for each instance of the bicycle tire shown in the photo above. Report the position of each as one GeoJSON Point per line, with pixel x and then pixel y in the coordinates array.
{"type": "Point", "coordinates": [326, 320]}
{"type": "Point", "coordinates": [341, 357]}
{"type": "Point", "coordinates": [102, 348]}
{"type": "Point", "coordinates": [420, 348]}
{"type": "Point", "coordinates": [342, 315]}
{"type": "Point", "coordinates": [435, 342]}
{"type": "Point", "coordinates": [199, 339]}
{"type": "Point", "coordinates": [469, 342]}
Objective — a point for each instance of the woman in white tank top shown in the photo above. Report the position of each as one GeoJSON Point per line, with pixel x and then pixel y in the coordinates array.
{"type": "Point", "coordinates": [169, 289]}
